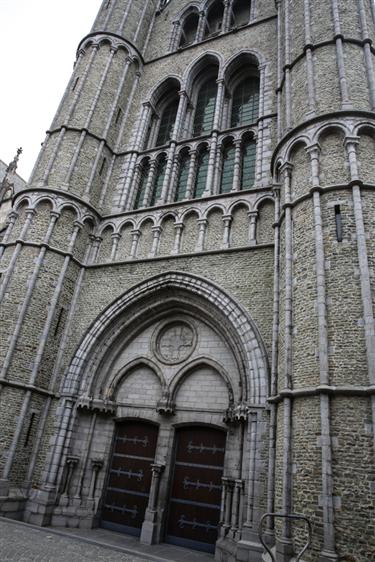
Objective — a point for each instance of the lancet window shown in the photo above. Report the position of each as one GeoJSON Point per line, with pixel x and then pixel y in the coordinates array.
{"type": "Point", "coordinates": [202, 171]}
{"type": "Point", "coordinates": [158, 180]}
{"type": "Point", "coordinates": [228, 158]}
{"type": "Point", "coordinates": [248, 163]}
{"type": "Point", "coordinates": [143, 173]}
{"type": "Point", "coordinates": [205, 107]}
{"type": "Point", "coordinates": [183, 175]}
{"type": "Point", "coordinates": [245, 103]}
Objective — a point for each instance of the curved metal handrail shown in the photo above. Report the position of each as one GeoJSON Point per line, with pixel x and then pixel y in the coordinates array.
{"type": "Point", "coordinates": [286, 516]}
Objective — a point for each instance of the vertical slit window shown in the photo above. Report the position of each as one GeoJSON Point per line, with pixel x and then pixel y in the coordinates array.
{"type": "Point", "coordinates": [145, 168]}
{"type": "Point", "coordinates": [227, 169]}
{"type": "Point", "coordinates": [75, 84]}
{"type": "Point", "coordinates": [158, 182]}
{"type": "Point", "coordinates": [338, 218]}
{"type": "Point", "coordinates": [167, 122]}
{"type": "Point", "coordinates": [205, 108]}
{"type": "Point", "coordinates": [29, 430]}
{"type": "Point", "coordinates": [118, 116]}
{"type": "Point", "coordinates": [182, 178]}
{"type": "Point", "coordinates": [248, 164]}
{"type": "Point", "coordinates": [59, 321]}
{"type": "Point", "coordinates": [245, 108]}
{"type": "Point", "coordinates": [102, 167]}
{"type": "Point", "coordinates": [201, 178]}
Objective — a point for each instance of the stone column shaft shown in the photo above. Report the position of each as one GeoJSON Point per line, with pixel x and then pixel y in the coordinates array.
{"type": "Point", "coordinates": [237, 166]}
{"type": "Point", "coordinates": [367, 52]}
{"type": "Point", "coordinates": [309, 59]}
{"type": "Point", "coordinates": [201, 234]}
{"type": "Point", "coordinates": [179, 226]}
{"type": "Point", "coordinates": [135, 239]}
{"type": "Point", "coordinates": [344, 88]}
{"type": "Point", "coordinates": [326, 441]}
{"type": "Point", "coordinates": [17, 249]}
{"type": "Point", "coordinates": [253, 217]}
{"type": "Point", "coordinates": [27, 298]}
{"type": "Point", "coordinates": [168, 174]}
{"type": "Point", "coordinates": [227, 219]}
{"type": "Point", "coordinates": [156, 231]}
{"type": "Point", "coordinates": [191, 174]}
{"type": "Point", "coordinates": [201, 26]}
{"type": "Point", "coordinates": [115, 242]}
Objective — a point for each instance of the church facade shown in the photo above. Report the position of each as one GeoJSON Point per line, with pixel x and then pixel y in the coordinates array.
{"type": "Point", "coordinates": [188, 281]}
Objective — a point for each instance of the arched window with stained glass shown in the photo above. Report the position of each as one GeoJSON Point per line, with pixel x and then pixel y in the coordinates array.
{"type": "Point", "coordinates": [201, 175]}
{"type": "Point", "coordinates": [248, 164]}
{"type": "Point", "coordinates": [205, 107]}
{"type": "Point", "coordinates": [157, 187]}
{"type": "Point", "coordinates": [245, 103]}
{"type": "Point", "coordinates": [143, 173]}
{"type": "Point", "coordinates": [167, 121]}
{"type": "Point", "coordinates": [228, 155]}
{"type": "Point", "coordinates": [183, 174]}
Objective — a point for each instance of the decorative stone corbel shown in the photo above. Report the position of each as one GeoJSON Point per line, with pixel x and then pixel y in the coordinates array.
{"type": "Point", "coordinates": [236, 414]}
{"type": "Point", "coordinates": [166, 406]}
{"type": "Point", "coordinates": [87, 403]}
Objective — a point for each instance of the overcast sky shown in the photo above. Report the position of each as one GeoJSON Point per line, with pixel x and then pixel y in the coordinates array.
{"type": "Point", "coordinates": [38, 41]}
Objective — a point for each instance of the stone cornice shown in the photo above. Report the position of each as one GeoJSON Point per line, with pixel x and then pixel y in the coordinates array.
{"type": "Point", "coordinates": [342, 390]}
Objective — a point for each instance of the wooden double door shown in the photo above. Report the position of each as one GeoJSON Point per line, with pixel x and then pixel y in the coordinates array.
{"type": "Point", "coordinates": [193, 505]}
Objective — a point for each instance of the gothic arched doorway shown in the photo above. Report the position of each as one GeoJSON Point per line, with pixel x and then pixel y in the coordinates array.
{"type": "Point", "coordinates": [195, 497]}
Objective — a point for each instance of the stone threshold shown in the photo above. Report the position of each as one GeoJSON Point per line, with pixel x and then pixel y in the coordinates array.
{"type": "Point", "coordinates": [123, 543]}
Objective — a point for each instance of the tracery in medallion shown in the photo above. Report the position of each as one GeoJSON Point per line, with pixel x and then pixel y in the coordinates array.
{"type": "Point", "coordinates": [175, 342]}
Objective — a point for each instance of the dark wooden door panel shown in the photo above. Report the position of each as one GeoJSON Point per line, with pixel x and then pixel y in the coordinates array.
{"type": "Point", "coordinates": [194, 508]}
{"type": "Point", "coordinates": [130, 477]}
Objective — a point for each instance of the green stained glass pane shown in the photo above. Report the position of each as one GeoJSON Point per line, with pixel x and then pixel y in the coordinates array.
{"type": "Point", "coordinates": [205, 108]}
{"type": "Point", "coordinates": [200, 182]}
{"type": "Point", "coordinates": [248, 164]}
{"type": "Point", "coordinates": [141, 187]}
{"type": "Point", "coordinates": [182, 179]}
{"type": "Point", "coordinates": [228, 169]}
{"type": "Point", "coordinates": [167, 122]}
{"type": "Point", "coordinates": [245, 108]}
{"type": "Point", "coordinates": [158, 182]}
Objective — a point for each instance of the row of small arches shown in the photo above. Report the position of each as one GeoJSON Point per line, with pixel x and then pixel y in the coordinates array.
{"type": "Point", "coordinates": [188, 234]}
{"type": "Point", "coordinates": [193, 231]}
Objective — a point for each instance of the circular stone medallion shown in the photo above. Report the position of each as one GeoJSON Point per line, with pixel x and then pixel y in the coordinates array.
{"type": "Point", "coordinates": [175, 342]}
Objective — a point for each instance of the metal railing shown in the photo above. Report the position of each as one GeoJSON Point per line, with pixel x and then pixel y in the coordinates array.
{"type": "Point", "coordinates": [293, 517]}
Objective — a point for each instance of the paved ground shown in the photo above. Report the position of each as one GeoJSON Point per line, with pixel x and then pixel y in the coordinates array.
{"type": "Point", "coordinates": [25, 543]}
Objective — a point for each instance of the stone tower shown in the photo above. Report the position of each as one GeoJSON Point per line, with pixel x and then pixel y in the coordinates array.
{"type": "Point", "coordinates": [188, 281]}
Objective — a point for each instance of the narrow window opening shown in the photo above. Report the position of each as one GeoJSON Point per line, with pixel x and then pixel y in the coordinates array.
{"type": "Point", "coordinates": [118, 116]}
{"type": "Point", "coordinates": [59, 321]}
{"type": "Point", "coordinates": [102, 166]}
{"type": "Point", "coordinates": [338, 218]}
{"type": "Point", "coordinates": [29, 429]}
{"type": "Point", "coordinates": [75, 84]}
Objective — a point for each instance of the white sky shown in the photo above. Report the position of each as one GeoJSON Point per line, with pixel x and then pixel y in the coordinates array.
{"type": "Point", "coordinates": [38, 41]}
